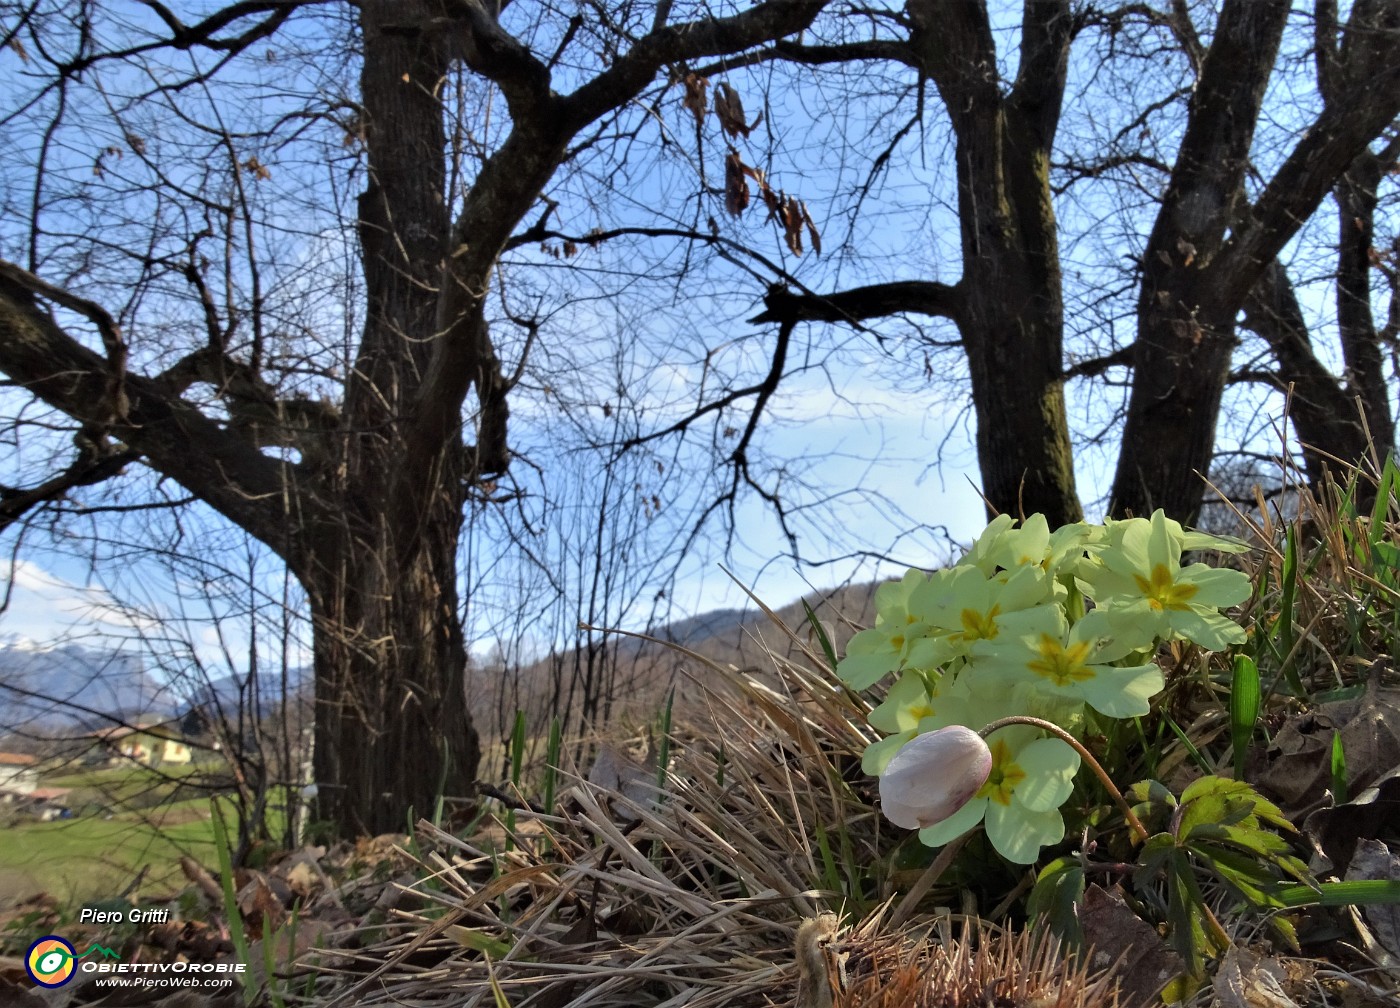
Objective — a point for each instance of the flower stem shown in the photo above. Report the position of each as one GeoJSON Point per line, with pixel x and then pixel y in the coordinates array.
{"type": "Point", "coordinates": [1024, 719]}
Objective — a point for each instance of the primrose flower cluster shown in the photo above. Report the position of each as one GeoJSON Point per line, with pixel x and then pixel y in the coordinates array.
{"type": "Point", "coordinates": [1029, 622]}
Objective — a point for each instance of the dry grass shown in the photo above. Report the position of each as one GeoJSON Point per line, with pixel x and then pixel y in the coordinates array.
{"type": "Point", "coordinates": [755, 872]}
{"type": "Point", "coordinates": [689, 894]}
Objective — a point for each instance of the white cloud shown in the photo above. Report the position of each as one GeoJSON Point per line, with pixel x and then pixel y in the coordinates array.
{"type": "Point", "coordinates": [43, 606]}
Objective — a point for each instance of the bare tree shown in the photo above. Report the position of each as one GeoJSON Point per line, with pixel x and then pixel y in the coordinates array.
{"type": "Point", "coordinates": [1216, 213]}
{"type": "Point", "coordinates": [359, 488]}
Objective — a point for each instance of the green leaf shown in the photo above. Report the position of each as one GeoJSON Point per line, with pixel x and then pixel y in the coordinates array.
{"type": "Point", "coordinates": [827, 650]}
{"type": "Point", "coordinates": [1152, 803]}
{"type": "Point", "coordinates": [1190, 746]}
{"type": "Point", "coordinates": [1287, 597]}
{"type": "Point", "coordinates": [478, 940]}
{"type": "Point", "coordinates": [1251, 879]}
{"type": "Point", "coordinates": [1339, 769]}
{"type": "Point", "coordinates": [1058, 890]}
{"type": "Point", "coordinates": [1378, 526]}
{"type": "Point", "coordinates": [1154, 859]}
{"type": "Point", "coordinates": [1184, 903]}
{"type": "Point", "coordinates": [1244, 709]}
{"type": "Point", "coordinates": [1337, 894]}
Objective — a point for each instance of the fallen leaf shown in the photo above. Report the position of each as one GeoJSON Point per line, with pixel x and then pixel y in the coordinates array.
{"type": "Point", "coordinates": [1373, 860]}
{"type": "Point", "coordinates": [1245, 980]}
{"type": "Point", "coordinates": [1300, 760]}
{"type": "Point", "coordinates": [1123, 941]}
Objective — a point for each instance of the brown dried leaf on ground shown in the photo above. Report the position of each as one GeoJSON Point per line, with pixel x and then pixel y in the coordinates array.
{"type": "Point", "coordinates": [1300, 759]}
{"type": "Point", "coordinates": [1144, 961]}
{"type": "Point", "coordinates": [1246, 980]}
{"type": "Point", "coordinates": [1374, 861]}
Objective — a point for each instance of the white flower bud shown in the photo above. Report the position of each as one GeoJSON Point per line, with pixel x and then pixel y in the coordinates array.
{"type": "Point", "coordinates": [934, 775]}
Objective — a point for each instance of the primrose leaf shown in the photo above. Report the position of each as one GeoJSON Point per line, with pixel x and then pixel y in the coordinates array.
{"type": "Point", "coordinates": [1059, 889]}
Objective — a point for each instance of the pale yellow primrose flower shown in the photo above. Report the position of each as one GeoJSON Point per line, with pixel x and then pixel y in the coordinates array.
{"type": "Point", "coordinates": [983, 553]}
{"type": "Point", "coordinates": [934, 776]}
{"type": "Point", "coordinates": [1020, 801]}
{"type": "Point", "coordinates": [871, 654]}
{"type": "Point", "coordinates": [1142, 592]}
{"type": "Point", "coordinates": [964, 606]}
{"type": "Point", "coordinates": [1069, 666]}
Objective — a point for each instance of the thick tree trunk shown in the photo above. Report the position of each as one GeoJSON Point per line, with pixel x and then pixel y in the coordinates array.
{"type": "Point", "coordinates": [1012, 339]}
{"type": "Point", "coordinates": [1011, 315]}
{"type": "Point", "coordinates": [1186, 333]}
{"type": "Point", "coordinates": [1357, 197]}
{"type": "Point", "coordinates": [1196, 277]}
{"type": "Point", "coordinates": [392, 727]}
{"type": "Point", "coordinates": [1324, 415]}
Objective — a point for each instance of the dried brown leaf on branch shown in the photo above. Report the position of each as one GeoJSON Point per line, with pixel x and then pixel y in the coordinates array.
{"type": "Point", "coordinates": [731, 112]}
{"type": "Point", "coordinates": [812, 231]}
{"type": "Point", "coordinates": [736, 187]}
{"type": "Point", "coordinates": [696, 99]}
{"type": "Point", "coordinates": [795, 218]}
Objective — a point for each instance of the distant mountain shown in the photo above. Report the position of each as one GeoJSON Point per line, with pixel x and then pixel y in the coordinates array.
{"type": "Point", "coordinates": [71, 687]}
{"type": "Point", "coordinates": [230, 694]}
{"type": "Point", "coordinates": [716, 623]}
{"type": "Point", "coordinates": [640, 675]}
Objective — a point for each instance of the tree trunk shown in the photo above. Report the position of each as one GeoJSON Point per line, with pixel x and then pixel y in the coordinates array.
{"type": "Point", "coordinates": [1357, 196]}
{"type": "Point", "coordinates": [392, 725]}
{"type": "Point", "coordinates": [1323, 414]}
{"type": "Point", "coordinates": [1011, 315]}
{"type": "Point", "coordinates": [1186, 330]}
{"type": "Point", "coordinates": [1208, 250]}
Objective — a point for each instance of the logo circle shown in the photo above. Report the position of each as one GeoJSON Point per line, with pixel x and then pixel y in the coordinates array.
{"type": "Point", "coordinates": [50, 961]}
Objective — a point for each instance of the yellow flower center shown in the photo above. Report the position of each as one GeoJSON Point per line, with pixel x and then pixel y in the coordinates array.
{"type": "Point", "coordinates": [1061, 665]}
{"type": "Point", "coordinates": [1163, 592]}
{"type": "Point", "coordinates": [922, 710]}
{"type": "Point", "coordinates": [1005, 775]}
{"type": "Point", "coordinates": [978, 625]}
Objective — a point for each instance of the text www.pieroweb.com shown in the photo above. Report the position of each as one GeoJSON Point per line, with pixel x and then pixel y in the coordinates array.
{"type": "Point", "coordinates": [168, 975]}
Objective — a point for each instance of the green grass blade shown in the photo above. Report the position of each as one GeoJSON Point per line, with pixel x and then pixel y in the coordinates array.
{"type": "Point", "coordinates": [827, 650]}
{"type": "Point", "coordinates": [663, 748]}
{"type": "Point", "coordinates": [551, 762]}
{"type": "Point", "coordinates": [1191, 749]}
{"type": "Point", "coordinates": [1288, 595]}
{"type": "Point", "coordinates": [231, 912]}
{"type": "Point", "coordinates": [517, 748]}
{"type": "Point", "coordinates": [269, 948]}
{"type": "Point", "coordinates": [517, 768]}
{"type": "Point", "coordinates": [1339, 769]}
{"type": "Point", "coordinates": [1381, 507]}
{"type": "Point", "coordinates": [1337, 894]}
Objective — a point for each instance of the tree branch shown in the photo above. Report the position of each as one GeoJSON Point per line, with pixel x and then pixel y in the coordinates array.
{"type": "Point", "coordinates": [223, 469]}
{"type": "Point", "coordinates": [922, 297]}
{"type": "Point", "coordinates": [95, 461]}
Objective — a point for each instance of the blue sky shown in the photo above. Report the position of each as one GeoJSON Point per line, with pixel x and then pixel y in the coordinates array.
{"type": "Point", "coordinates": [877, 434]}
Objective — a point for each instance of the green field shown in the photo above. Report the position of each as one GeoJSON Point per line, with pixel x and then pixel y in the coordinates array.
{"type": "Point", "coordinates": [129, 820]}
{"type": "Point", "coordinates": [92, 857]}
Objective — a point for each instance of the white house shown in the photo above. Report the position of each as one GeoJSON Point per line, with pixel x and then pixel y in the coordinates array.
{"type": "Point", "coordinates": [17, 774]}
